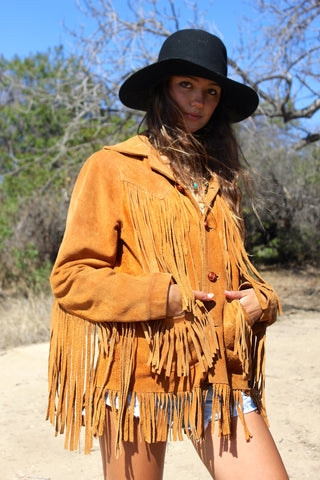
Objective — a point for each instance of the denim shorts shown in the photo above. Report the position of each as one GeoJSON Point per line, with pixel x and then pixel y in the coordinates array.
{"type": "Point", "coordinates": [247, 406]}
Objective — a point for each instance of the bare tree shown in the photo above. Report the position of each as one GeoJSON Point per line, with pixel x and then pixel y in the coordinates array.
{"type": "Point", "coordinates": [283, 64]}
{"type": "Point", "coordinates": [121, 40]}
{"type": "Point", "coordinates": [278, 53]}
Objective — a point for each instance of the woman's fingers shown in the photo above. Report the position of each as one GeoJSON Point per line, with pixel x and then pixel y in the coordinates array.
{"type": "Point", "coordinates": [174, 300]}
{"type": "Point", "coordinates": [235, 294]}
{"type": "Point", "coordinates": [248, 300]}
{"type": "Point", "coordinates": [203, 296]}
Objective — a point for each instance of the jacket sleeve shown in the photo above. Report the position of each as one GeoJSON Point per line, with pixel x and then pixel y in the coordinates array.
{"type": "Point", "coordinates": [269, 302]}
{"type": "Point", "coordinates": [84, 280]}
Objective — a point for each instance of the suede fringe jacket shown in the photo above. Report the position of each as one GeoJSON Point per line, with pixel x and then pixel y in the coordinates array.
{"type": "Point", "coordinates": [131, 231]}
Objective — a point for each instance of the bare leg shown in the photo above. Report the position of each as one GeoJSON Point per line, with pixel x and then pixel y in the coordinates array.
{"type": "Point", "coordinates": [138, 459]}
{"type": "Point", "coordinates": [237, 459]}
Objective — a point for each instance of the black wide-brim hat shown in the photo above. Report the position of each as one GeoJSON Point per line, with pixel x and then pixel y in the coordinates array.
{"type": "Point", "coordinates": [196, 53]}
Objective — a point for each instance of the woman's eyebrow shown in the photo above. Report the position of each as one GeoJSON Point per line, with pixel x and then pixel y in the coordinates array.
{"type": "Point", "coordinates": [212, 82]}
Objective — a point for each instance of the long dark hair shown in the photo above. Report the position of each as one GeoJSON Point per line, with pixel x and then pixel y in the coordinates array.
{"type": "Point", "coordinates": [212, 150]}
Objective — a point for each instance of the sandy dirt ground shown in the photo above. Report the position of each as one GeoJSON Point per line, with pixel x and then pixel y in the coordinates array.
{"type": "Point", "coordinates": [29, 450]}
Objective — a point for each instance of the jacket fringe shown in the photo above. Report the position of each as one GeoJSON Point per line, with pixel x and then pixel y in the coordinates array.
{"type": "Point", "coordinates": [249, 344]}
{"type": "Point", "coordinates": [162, 235]}
{"type": "Point", "coordinates": [71, 372]}
{"type": "Point", "coordinates": [75, 400]}
{"type": "Point", "coordinates": [173, 341]}
{"type": "Point", "coordinates": [170, 415]}
{"type": "Point", "coordinates": [235, 253]}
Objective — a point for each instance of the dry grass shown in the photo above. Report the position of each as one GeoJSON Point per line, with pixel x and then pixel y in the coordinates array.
{"type": "Point", "coordinates": [24, 320]}
{"type": "Point", "coordinates": [297, 287]}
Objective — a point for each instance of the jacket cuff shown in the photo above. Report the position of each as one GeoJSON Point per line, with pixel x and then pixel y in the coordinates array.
{"type": "Point", "coordinates": [268, 304]}
{"type": "Point", "coordinates": [159, 295]}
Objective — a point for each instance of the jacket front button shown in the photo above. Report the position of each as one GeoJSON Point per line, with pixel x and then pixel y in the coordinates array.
{"type": "Point", "coordinates": [180, 188]}
{"type": "Point", "coordinates": [212, 276]}
{"type": "Point", "coordinates": [206, 225]}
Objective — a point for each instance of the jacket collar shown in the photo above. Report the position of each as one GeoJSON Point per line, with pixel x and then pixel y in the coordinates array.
{"type": "Point", "coordinates": [139, 146]}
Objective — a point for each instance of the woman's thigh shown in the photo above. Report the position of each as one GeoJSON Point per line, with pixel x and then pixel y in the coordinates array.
{"type": "Point", "coordinates": [238, 459]}
{"type": "Point", "coordinates": [137, 459]}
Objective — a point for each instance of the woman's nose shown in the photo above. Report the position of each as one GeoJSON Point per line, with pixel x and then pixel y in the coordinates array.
{"type": "Point", "coordinates": [197, 99]}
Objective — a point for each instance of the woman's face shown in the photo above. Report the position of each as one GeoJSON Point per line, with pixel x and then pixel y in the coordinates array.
{"type": "Point", "coordinates": [197, 98]}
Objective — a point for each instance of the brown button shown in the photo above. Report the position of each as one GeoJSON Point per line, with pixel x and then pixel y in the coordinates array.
{"type": "Point", "coordinates": [180, 188]}
{"type": "Point", "coordinates": [206, 225]}
{"type": "Point", "coordinates": [212, 276]}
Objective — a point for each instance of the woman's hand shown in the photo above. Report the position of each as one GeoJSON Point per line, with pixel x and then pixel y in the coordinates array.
{"type": "Point", "coordinates": [174, 300]}
{"type": "Point", "coordinates": [248, 300]}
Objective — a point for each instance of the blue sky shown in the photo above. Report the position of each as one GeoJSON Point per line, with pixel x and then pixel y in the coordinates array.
{"type": "Point", "coordinates": [30, 26]}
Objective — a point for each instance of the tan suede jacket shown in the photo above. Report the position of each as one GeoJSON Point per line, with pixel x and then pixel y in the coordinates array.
{"type": "Point", "coordinates": [131, 231]}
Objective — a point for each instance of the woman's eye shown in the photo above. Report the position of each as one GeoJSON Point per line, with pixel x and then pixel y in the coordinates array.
{"type": "Point", "coordinates": [185, 84]}
{"type": "Point", "coordinates": [212, 91]}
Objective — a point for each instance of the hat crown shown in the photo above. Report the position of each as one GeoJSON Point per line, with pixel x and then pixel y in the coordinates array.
{"type": "Point", "coordinates": [198, 47]}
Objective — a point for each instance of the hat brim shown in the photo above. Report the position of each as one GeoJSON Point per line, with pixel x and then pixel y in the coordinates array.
{"type": "Point", "coordinates": [239, 100]}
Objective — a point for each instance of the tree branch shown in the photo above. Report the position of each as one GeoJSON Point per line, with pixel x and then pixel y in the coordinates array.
{"type": "Point", "coordinates": [303, 142]}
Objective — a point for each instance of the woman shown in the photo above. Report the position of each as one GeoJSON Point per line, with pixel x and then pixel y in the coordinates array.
{"type": "Point", "coordinates": [153, 264]}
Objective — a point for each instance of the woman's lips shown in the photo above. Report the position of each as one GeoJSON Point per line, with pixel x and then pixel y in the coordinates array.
{"type": "Point", "coordinates": [193, 116]}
